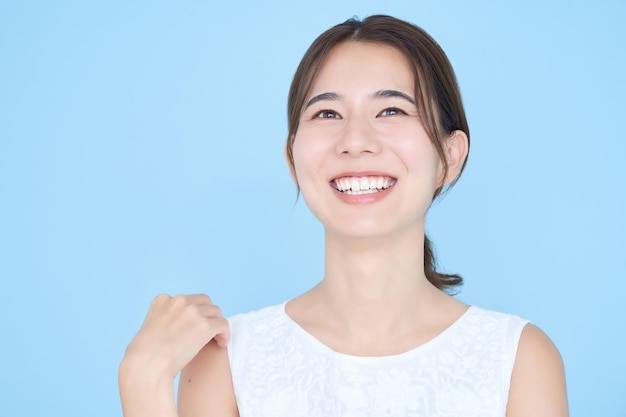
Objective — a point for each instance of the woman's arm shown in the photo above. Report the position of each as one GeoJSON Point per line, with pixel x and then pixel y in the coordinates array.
{"type": "Point", "coordinates": [205, 387]}
{"type": "Point", "coordinates": [175, 330]}
{"type": "Point", "coordinates": [538, 380]}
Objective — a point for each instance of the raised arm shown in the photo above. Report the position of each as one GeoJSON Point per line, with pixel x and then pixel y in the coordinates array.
{"type": "Point", "coordinates": [175, 330]}
{"type": "Point", "coordinates": [538, 380]}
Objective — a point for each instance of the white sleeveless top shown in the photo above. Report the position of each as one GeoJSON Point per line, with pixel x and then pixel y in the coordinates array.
{"type": "Point", "coordinates": [279, 369]}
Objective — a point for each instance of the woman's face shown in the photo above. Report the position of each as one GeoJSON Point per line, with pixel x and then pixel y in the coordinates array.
{"type": "Point", "coordinates": [362, 159]}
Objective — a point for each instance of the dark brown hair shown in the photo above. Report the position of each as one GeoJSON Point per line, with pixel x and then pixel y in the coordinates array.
{"type": "Point", "coordinates": [436, 92]}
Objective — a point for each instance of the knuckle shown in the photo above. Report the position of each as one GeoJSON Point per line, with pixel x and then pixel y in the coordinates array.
{"type": "Point", "coordinates": [160, 299]}
{"type": "Point", "coordinates": [191, 310]}
{"type": "Point", "coordinates": [179, 300]}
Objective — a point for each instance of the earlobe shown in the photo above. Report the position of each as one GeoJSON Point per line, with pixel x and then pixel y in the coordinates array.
{"type": "Point", "coordinates": [457, 147]}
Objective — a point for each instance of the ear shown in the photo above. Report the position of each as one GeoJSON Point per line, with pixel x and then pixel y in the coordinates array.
{"type": "Point", "coordinates": [456, 148]}
{"type": "Point", "coordinates": [288, 159]}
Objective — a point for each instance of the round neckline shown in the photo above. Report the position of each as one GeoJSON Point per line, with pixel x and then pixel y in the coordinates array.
{"type": "Point", "coordinates": [320, 346]}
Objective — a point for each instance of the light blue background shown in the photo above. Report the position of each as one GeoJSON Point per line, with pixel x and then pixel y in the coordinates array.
{"type": "Point", "coordinates": [141, 151]}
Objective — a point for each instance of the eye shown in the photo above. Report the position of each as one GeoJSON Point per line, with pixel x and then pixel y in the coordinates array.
{"type": "Point", "coordinates": [326, 114]}
{"type": "Point", "coordinates": [392, 111]}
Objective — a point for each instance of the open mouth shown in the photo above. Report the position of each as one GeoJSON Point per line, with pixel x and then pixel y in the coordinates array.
{"type": "Point", "coordinates": [362, 185]}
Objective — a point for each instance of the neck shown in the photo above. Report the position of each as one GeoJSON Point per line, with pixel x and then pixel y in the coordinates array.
{"type": "Point", "coordinates": [371, 269]}
{"type": "Point", "coordinates": [375, 299]}
{"type": "Point", "coordinates": [378, 283]}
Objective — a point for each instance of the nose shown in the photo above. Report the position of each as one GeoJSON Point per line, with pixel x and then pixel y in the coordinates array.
{"type": "Point", "coordinates": [357, 137]}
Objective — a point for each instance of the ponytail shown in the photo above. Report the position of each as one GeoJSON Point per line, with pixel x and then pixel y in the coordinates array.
{"type": "Point", "coordinates": [445, 282]}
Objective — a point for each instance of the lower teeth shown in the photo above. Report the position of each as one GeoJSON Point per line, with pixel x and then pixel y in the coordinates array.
{"type": "Point", "coordinates": [350, 192]}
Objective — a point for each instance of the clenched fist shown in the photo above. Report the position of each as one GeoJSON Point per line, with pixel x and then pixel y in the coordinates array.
{"type": "Point", "coordinates": [173, 332]}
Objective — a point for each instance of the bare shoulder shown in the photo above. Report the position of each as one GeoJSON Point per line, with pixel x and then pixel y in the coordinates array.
{"type": "Point", "coordinates": [538, 380]}
{"type": "Point", "coordinates": [206, 387]}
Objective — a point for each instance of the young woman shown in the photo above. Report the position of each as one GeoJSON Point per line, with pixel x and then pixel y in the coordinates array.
{"type": "Point", "coordinates": [376, 131]}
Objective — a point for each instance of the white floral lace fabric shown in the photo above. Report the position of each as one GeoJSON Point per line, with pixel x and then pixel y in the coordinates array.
{"type": "Point", "coordinates": [279, 369]}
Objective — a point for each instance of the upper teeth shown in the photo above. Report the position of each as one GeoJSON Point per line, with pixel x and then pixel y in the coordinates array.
{"type": "Point", "coordinates": [356, 184]}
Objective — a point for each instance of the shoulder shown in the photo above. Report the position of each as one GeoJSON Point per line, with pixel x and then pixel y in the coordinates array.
{"type": "Point", "coordinates": [502, 326]}
{"type": "Point", "coordinates": [260, 316]}
{"type": "Point", "coordinates": [255, 323]}
{"type": "Point", "coordinates": [205, 387]}
{"type": "Point", "coordinates": [252, 328]}
{"type": "Point", "coordinates": [538, 378]}
{"type": "Point", "coordinates": [206, 384]}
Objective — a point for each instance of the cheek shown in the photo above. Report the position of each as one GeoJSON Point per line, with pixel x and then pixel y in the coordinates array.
{"type": "Point", "coordinates": [417, 154]}
{"type": "Point", "coordinates": [307, 155]}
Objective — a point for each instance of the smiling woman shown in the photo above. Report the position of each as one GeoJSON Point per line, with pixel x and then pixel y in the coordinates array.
{"type": "Point", "coordinates": [376, 132]}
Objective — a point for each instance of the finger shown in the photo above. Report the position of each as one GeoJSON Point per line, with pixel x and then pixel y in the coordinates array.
{"type": "Point", "coordinates": [160, 299]}
{"type": "Point", "coordinates": [198, 299]}
{"type": "Point", "coordinates": [221, 330]}
{"type": "Point", "coordinates": [209, 310]}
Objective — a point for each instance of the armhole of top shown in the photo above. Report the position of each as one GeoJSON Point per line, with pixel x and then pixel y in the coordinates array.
{"type": "Point", "coordinates": [231, 352]}
{"type": "Point", "coordinates": [514, 334]}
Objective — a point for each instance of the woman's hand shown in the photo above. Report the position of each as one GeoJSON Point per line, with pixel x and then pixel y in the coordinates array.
{"type": "Point", "coordinates": [174, 331]}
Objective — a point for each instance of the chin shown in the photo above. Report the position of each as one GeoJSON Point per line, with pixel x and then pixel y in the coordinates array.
{"type": "Point", "coordinates": [364, 230]}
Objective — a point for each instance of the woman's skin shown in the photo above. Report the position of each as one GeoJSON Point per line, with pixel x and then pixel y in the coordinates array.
{"type": "Point", "coordinates": [360, 121]}
{"type": "Point", "coordinates": [177, 331]}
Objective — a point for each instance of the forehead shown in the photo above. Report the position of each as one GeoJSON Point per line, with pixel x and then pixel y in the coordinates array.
{"type": "Point", "coordinates": [352, 66]}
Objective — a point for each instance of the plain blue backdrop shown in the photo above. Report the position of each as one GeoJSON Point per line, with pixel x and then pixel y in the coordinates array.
{"type": "Point", "coordinates": [141, 151]}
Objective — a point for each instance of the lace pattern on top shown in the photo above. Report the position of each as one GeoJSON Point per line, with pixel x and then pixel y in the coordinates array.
{"type": "Point", "coordinates": [279, 369]}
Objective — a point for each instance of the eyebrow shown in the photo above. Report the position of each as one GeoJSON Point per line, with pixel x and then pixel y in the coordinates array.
{"type": "Point", "coordinates": [394, 93]}
{"type": "Point", "coordinates": [322, 97]}
{"type": "Point", "coordinates": [377, 94]}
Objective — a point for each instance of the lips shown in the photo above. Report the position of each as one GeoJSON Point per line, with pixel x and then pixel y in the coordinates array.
{"type": "Point", "coordinates": [357, 185]}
